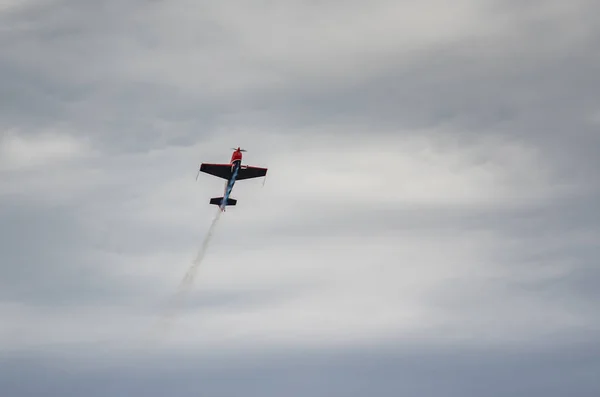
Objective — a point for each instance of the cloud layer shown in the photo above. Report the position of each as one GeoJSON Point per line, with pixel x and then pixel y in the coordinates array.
{"type": "Point", "coordinates": [432, 195]}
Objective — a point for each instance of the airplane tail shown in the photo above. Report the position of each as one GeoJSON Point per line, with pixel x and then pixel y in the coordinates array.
{"type": "Point", "coordinates": [218, 200]}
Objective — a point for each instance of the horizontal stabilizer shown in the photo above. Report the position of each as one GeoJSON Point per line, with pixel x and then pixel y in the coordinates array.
{"type": "Point", "coordinates": [218, 200]}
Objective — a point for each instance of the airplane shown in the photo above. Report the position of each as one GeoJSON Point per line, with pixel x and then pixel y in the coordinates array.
{"type": "Point", "coordinates": [232, 172]}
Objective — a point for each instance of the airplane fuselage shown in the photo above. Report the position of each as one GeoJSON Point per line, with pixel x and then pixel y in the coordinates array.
{"type": "Point", "coordinates": [235, 167]}
{"type": "Point", "coordinates": [236, 163]}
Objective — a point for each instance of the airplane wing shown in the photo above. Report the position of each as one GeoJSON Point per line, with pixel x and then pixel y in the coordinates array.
{"type": "Point", "coordinates": [218, 170]}
{"type": "Point", "coordinates": [248, 172]}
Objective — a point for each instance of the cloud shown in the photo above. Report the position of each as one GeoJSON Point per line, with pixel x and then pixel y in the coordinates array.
{"type": "Point", "coordinates": [19, 151]}
{"type": "Point", "coordinates": [432, 181]}
{"type": "Point", "coordinates": [415, 369]}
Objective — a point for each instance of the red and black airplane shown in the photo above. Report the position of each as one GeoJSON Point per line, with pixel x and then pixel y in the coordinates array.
{"type": "Point", "coordinates": [232, 172]}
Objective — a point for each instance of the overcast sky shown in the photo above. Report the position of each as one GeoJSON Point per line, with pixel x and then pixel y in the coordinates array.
{"type": "Point", "coordinates": [430, 223]}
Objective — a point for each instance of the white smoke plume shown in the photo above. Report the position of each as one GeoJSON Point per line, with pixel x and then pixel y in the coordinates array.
{"type": "Point", "coordinates": [188, 279]}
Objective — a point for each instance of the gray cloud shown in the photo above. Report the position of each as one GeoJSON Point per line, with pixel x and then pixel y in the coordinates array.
{"type": "Point", "coordinates": [568, 369]}
{"type": "Point", "coordinates": [433, 172]}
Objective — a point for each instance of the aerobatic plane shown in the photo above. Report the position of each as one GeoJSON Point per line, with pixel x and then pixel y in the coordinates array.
{"type": "Point", "coordinates": [232, 172]}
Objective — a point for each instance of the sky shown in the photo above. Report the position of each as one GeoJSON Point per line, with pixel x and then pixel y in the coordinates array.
{"type": "Point", "coordinates": [429, 225]}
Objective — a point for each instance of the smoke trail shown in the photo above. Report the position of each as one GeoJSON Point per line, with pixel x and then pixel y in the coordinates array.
{"type": "Point", "coordinates": [191, 273]}
{"type": "Point", "coordinates": [188, 279]}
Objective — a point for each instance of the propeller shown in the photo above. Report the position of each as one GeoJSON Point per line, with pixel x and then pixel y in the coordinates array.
{"type": "Point", "coordinates": [241, 150]}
